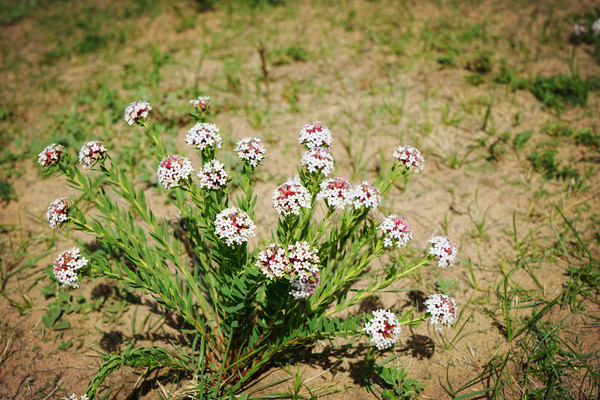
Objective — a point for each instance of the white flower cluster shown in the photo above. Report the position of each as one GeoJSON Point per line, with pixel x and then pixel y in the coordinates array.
{"type": "Point", "coordinates": [337, 192]}
{"type": "Point", "coordinates": [442, 309]}
{"type": "Point", "coordinates": [74, 397]}
{"type": "Point", "coordinates": [234, 226]}
{"type": "Point", "coordinates": [396, 231]}
{"type": "Point", "coordinates": [384, 329]}
{"type": "Point", "coordinates": [274, 262]}
{"type": "Point", "coordinates": [315, 134]}
{"type": "Point", "coordinates": [58, 213]}
{"type": "Point", "coordinates": [596, 27]}
{"type": "Point", "coordinates": [204, 135]}
{"type": "Point", "coordinates": [173, 169]}
{"type": "Point", "coordinates": [213, 175]}
{"type": "Point", "coordinates": [66, 266]}
{"type": "Point", "coordinates": [136, 112]}
{"type": "Point", "coordinates": [251, 150]}
{"type": "Point", "coordinates": [579, 29]}
{"type": "Point", "coordinates": [410, 157]}
{"type": "Point", "coordinates": [202, 103]}
{"type": "Point", "coordinates": [290, 196]}
{"type": "Point", "coordinates": [366, 196]}
{"type": "Point", "coordinates": [445, 249]}
{"type": "Point", "coordinates": [91, 152]}
{"type": "Point", "coordinates": [318, 159]}
{"type": "Point", "coordinates": [305, 263]}
{"type": "Point", "coordinates": [51, 155]}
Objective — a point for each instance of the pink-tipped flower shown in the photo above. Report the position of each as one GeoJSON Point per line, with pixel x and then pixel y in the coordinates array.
{"type": "Point", "coordinates": [91, 152]}
{"type": "Point", "coordinates": [596, 27]}
{"type": "Point", "coordinates": [366, 196]}
{"type": "Point", "coordinates": [315, 134]}
{"type": "Point", "coordinates": [137, 112]}
{"type": "Point", "coordinates": [290, 197]}
{"type": "Point", "coordinates": [51, 155]}
{"type": "Point", "coordinates": [251, 150]}
{"type": "Point", "coordinates": [174, 169]}
{"type": "Point", "coordinates": [444, 249]}
{"type": "Point", "coordinates": [213, 175]}
{"type": "Point", "coordinates": [384, 329]}
{"type": "Point", "coordinates": [318, 159]}
{"type": "Point", "coordinates": [274, 262]}
{"type": "Point", "coordinates": [396, 231]}
{"type": "Point", "coordinates": [66, 266]}
{"type": "Point", "coordinates": [579, 29]}
{"type": "Point", "coordinates": [442, 309]}
{"type": "Point", "coordinates": [304, 286]}
{"type": "Point", "coordinates": [204, 135]}
{"type": "Point", "coordinates": [234, 226]}
{"type": "Point", "coordinates": [337, 192]}
{"type": "Point", "coordinates": [202, 103]}
{"type": "Point", "coordinates": [58, 213]}
{"type": "Point", "coordinates": [410, 157]}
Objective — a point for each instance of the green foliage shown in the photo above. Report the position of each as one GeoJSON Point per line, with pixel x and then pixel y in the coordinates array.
{"type": "Point", "coordinates": [521, 138]}
{"type": "Point", "coordinates": [559, 91]}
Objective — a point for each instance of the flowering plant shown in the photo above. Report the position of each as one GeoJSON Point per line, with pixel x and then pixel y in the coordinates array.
{"type": "Point", "coordinates": [242, 305]}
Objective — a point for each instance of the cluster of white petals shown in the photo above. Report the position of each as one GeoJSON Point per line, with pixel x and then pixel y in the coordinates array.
{"type": "Point", "coordinates": [202, 103]}
{"type": "Point", "coordinates": [366, 196]}
{"type": "Point", "coordinates": [51, 155]}
{"type": "Point", "coordinates": [234, 226]}
{"type": "Point", "coordinates": [173, 169]}
{"type": "Point", "coordinates": [596, 27]}
{"type": "Point", "coordinates": [74, 397]}
{"type": "Point", "coordinates": [445, 249]}
{"type": "Point", "coordinates": [579, 29]}
{"type": "Point", "coordinates": [337, 192]}
{"type": "Point", "coordinates": [315, 134]}
{"type": "Point", "coordinates": [204, 135]}
{"type": "Point", "coordinates": [384, 329]}
{"type": "Point", "coordinates": [66, 266]}
{"type": "Point", "coordinates": [305, 263]}
{"type": "Point", "coordinates": [318, 159]}
{"type": "Point", "coordinates": [290, 197]}
{"type": "Point", "coordinates": [137, 111]}
{"type": "Point", "coordinates": [213, 175]}
{"type": "Point", "coordinates": [410, 157]}
{"type": "Point", "coordinates": [396, 231]}
{"type": "Point", "coordinates": [442, 309]}
{"type": "Point", "coordinates": [58, 213]}
{"type": "Point", "coordinates": [274, 262]}
{"type": "Point", "coordinates": [251, 150]}
{"type": "Point", "coordinates": [91, 152]}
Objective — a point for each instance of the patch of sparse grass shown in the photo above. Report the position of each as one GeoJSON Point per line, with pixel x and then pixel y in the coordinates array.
{"type": "Point", "coordinates": [560, 91]}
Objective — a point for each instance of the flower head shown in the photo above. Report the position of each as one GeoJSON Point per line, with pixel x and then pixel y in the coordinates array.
{"type": "Point", "coordinates": [318, 159]}
{"type": "Point", "coordinates": [213, 175]}
{"type": "Point", "coordinates": [337, 192]}
{"type": "Point", "coordinates": [204, 135]}
{"type": "Point", "coordinates": [304, 286]}
{"type": "Point", "coordinates": [66, 266]}
{"type": "Point", "coordinates": [234, 226]}
{"type": "Point", "coordinates": [74, 397]}
{"type": "Point", "coordinates": [174, 169]}
{"type": "Point", "coordinates": [442, 309]}
{"type": "Point", "coordinates": [410, 157]}
{"type": "Point", "coordinates": [290, 197]}
{"type": "Point", "coordinates": [274, 262]}
{"type": "Point", "coordinates": [596, 27]}
{"type": "Point", "coordinates": [137, 112]}
{"type": "Point", "coordinates": [91, 152]}
{"type": "Point", "coordinates": [202, 103]}
{"type": "Point", "coordinates": [579, 29]}
{"type": "Point", "coordinates": [384, 329]}
{"type": "Point", "coordinates": [445, 249]}
{"type": "Point", "coordinates": [58, 213]}
{"type": "Point", "coordinates": [51, 155]}
{"type": "Point", "coordinates": [396, 231]}
{"type": "Point", "coordinates": [366, 196]}
{"type": "Point", "coordinates": [251, 150]}
{"type": "Point", "coordinates": [315, 134]}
